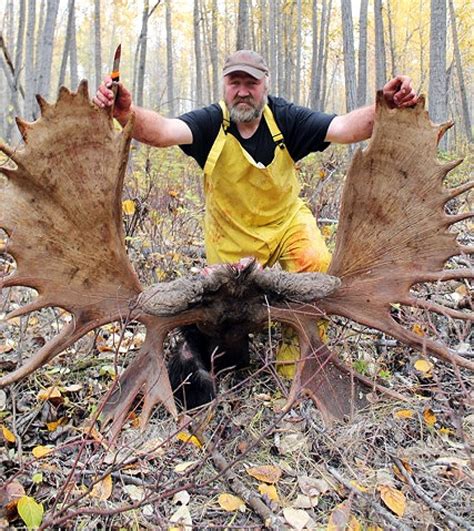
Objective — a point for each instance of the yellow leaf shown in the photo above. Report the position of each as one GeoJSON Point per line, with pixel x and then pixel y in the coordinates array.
{"type": "Point", "coordinates": [394, 499]}
{"type": "Point", "coordinates": [128, 207]}
{"type": "Point", "coordinates": [102, 489]}
{"type": "Point", "coordinates": [341, 518]}
{"type": "Point", "coordinates": [266, 473]}
{"type": "Point", "coordinates": [30, 511]}
{"type": "Point", "coordinates": [358, 487]}
{"type": "Point", "coordinates": [429, 416]}
{"type": "Point", "coordinates": [48, 393]}
{"type": "Point", "coordinates": [446, 431]}
{"type": "Point", "coordinates": [418, 330]}
{"type": "Point", "coordinates": [231, 503]}
{"type": "Point", "coordinates": [424, 366]}
{"type": "Point", "coordinates": [269, 491]}
{"type": "Point", "coordinates": [8, 435]}
{"type": "Point", "coordinates": [42, 451]}
{"type": "Point", "coordinates": [322, 173]}
{"type": "Point", "coordinates": [188, 438]}
{"type": "Point", "coordinates": [181, 468]}
{"type": "Point", "coordinates": [404, 414]}
{"type": "Point", "coordinates": [54, 425]}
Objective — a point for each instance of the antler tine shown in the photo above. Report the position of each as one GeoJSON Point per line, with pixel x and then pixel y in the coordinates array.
{"type": "Point", "coordinates": [458, 190]}
{"type": "Point", "coordinates": [24, 128]}
{"type": "Point", "coordinates": [44, 106]}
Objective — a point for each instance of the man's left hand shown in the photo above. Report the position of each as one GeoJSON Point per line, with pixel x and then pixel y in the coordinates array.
{"type": "Point", "coordinates": [398, 92]}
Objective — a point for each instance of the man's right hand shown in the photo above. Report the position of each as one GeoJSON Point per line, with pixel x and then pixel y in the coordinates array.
{"type": "Point", "coordinates": [104, 97]}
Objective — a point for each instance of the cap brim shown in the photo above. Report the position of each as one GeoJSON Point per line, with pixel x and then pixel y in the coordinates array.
{"type": "Point", "coordinates": [254, 72]}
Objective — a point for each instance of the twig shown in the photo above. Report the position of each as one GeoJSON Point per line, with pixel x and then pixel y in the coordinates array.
{"type": "Point", "coordinates": [269, 519]}
{"type": "Point", "coordinates": [428, 500]}
{"type": "Point", "coordinates": [393, 521]}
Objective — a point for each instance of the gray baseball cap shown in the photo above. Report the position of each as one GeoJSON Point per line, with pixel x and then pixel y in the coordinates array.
{"type": "Point", "coordinates": [246, 61]}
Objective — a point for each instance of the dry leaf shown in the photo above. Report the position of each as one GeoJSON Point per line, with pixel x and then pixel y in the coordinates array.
{"type": "Point", "coordinates": [404, 414]}
{"type": "Point", "coordinates": [312, 486]}
{"type": "Point", "coordinates": [181, 468]}
{"type": "Point", "coordinates": [135, 492]}
{"type": "Point", "coordinates": [54, 425]}
{"type": "Point", "coordinates": [128, 207]}
{"type": "Point", "coordinates": [182, 516]}
{"type": "Point", "coordinates": [341, 519]}
{"type": "Point", "coordinates": [182, 497]}
{"type": "Point", "coordinates": [393, 498]}
{"type": "Point", "coordinates": [267, 473]}
{"type": "Point", "coordinates": [293, 442]}
{"type": "Point", "coordinates": [305, 502]}
{"type": "Point", "coordinates": [8, 435]}
{"type": "Point", "coordinates": [8, 346]}
{"type": "Point", "coordinates": [297, 518]}
{"type": "Point", "coordinates": [42, 451]}
{"type": "Point", "coordinates": [231, 503]}
{"type": "Point", "coordinates": [102, 489]}
{"type": "Point", "coordinates": [429, 416]}
{"type": "Point", "coordinates": [356, 485]}
{"type": "Point", "coordinates": [269, 491]}
{"type": "Point", "coordinates": [49, 393]}
{"type": "Point", "coordinates": [186, 437]}
{"type": "Point", "coordinates": [424, 366]}
{"type": "Point", "coordinates": [418, 330]}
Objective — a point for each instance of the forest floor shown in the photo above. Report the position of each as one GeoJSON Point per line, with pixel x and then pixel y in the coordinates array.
{"type": "Point", "coordinates": [395, 465]}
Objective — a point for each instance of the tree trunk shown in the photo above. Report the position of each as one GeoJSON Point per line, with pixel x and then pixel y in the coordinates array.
{"type": "Point", "coordinates": [46, 53]}
{"type": "Point", "coordinates": [299, 31]}
{"type": "Point", "coordinates": [30, 61]}
{"type": "Point", "coordinates": [198, 51]}
{"type": "Point", "coordinates": [243, 27]}
{"type": "Point", "coordinates": [323, 60]}
{"type": "Point", "coordinates": [73, 49]}
{"type": "Point", "coordinates": [459, 70]}
{"type": "Point", "coordinates": [272, 52]}
{"type": "Point", "coordinates": [67, 46]}
{"type": "Point", "coordinates": [380, 63]}
{"type": "Point", "coordinates": [142, 56]}
{"type": "Point", "coordinates": [313, 96]}
{"type": "Point", "coordinates": [438, 104]}
{"type": "Point", "coordinates": [391, 36]}
{"type": "Point", "coordinates": [362, 71]}
{"type": "Point", "coordinates": [214, 52]}
{"type": "Point", "coordinates": [97, 44]}
{"type": "Point", "coordinates": [169, 60]}
{"type": "Point", "coordinates": [349, 54]}
{"type": "Point", "coordinates": [20, 38]}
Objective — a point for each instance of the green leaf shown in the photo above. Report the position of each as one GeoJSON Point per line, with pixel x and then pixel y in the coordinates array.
{"type": "Point", "coordinates": [37, 478]}
{"type": "Point", "coordinates": [30, 511]}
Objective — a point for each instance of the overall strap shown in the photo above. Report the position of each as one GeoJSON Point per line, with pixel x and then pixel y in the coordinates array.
{"type": "Point", "coordinates": [273, 127]}
{"type": "Point", "coordinates": [219, 142]}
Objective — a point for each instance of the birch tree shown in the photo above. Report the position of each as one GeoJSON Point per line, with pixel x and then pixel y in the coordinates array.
{"type": "Point", "coordinates": [362, 59]}
{"type": "Point", "coordinates": [97, 44]}
{"type": "Point", "coordinates": [243, 26]}
{"type": "Point", "coordinates": [169, 60]}
{"type": "Point", "coordinates": [30, 80]}
{"type": "Point", "coordinates": [460, 74]}
{"type": "Point", "coordinates": [437, 94]}
{"type": "Point", "coordinates": [349, 55]}
{"type": "Point", "coordinates": [197, 50]}
{"type": "Point", "coordinates": [44, 67]}
{"type": "Point", "coordinates": [380, 63]}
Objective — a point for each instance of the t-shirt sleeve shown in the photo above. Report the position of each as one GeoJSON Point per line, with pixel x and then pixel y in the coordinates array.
{"type": "Point", "coordinates": [304, 130]}
{"type": "Point", "coordinates": [204, 124]}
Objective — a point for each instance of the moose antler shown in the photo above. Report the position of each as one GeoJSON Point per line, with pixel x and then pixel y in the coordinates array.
{"type": "Point", "coordinates": [62, 213]}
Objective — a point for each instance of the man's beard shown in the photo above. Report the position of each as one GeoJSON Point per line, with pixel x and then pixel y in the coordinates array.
{"type": "Point", "coordinates": [246, 114]}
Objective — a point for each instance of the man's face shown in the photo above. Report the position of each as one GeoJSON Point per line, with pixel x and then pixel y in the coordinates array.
{"type": "Point", "coordinates": [245, 96]}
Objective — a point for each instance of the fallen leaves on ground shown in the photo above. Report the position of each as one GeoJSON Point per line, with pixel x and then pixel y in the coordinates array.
{"type": "Point", "coordinates": [266, 473]}
{"type": "Point", "coordinates": [393, 498]}
{"type": "Point", "coordinates": [231, 503]}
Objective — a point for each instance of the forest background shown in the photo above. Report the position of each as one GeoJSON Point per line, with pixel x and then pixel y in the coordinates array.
{"type": "Point", "coordinates": [330, 55]}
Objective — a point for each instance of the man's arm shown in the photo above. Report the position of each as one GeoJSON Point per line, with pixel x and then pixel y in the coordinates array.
{"type": "Point", "coordinates": [358, 124]}
{"type": "Point", "coordinates": [150, 127]}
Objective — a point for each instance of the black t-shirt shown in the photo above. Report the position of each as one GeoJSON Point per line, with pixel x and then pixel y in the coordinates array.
{"type": "Point", "coordinates": [303, 131]}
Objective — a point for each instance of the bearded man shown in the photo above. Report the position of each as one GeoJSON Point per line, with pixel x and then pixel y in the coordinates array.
{"type": "Point", "coordinates": [247, 146]}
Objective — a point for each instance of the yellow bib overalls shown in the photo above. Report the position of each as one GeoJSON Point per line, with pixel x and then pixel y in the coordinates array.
{"type": "Point", "coordinates": [255, 210]}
